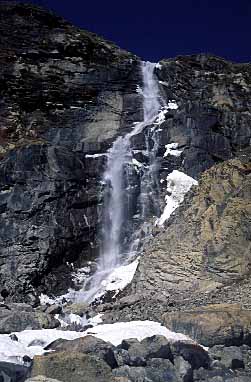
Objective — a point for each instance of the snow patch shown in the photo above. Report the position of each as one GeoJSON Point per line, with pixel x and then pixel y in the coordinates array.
{"type": "Point", "coordinates": [116, 333]}
{"type": "Point", "coordinates": [95, 155]}
{"type": "Point", "coordinates": [33, 342]}
{"type": "Point", "coordinates": [118, 279]}
{"type": "Point", "coordinates": [139, 90]}
{"type": "Point", "coordinates": [171, 105]}
{"type": "Point", "coordinates": [164, 83]}
{"type": "Point", "coordinates": [158, 66]}
{"type": "Point", "coordinates": [171, 149]}
{"type": "Point", "coordinates": [178, 184]}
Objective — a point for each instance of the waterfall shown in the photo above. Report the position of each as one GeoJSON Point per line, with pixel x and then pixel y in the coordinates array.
{"type": "Point", "coordinates": [114, 211]}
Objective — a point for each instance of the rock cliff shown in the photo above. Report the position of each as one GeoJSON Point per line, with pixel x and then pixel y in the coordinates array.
{"type": "Point", "coordinates": [65, 93]}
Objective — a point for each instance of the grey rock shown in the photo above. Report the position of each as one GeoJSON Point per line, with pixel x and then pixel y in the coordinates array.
{"type": "Point", "coordinates": [86, 345]}
{"type": "Point", "coordinates": [18, 320]}
{"type": "Point", "coordinates": [41, 378]}
{"type": "Point", "coordinates": [192, 353]}
{"type": "Point", "coordinates": [10, 372]}
{"type": "Point", "coordinates": [54, 309]}
{"type": "Point", "coordinates": [183, 369]}
{"type": "Point", "coordinates": [231, 357]}
{"type": "Point", "coordinates": [73, 366]}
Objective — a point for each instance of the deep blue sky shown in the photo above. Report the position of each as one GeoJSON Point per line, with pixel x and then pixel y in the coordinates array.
{"type": "Point", "coordinates": [154, 29]}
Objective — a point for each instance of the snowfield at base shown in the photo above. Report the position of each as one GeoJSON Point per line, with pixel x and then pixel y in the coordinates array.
{"type": "Point", "coordinates": [171, 149]}
{"type": "Point", "coordinates": [178, 184]}
{"type": "Point", "coordinates": [13, 351]}
{"type": "Point", "coordinates": [116, 333]}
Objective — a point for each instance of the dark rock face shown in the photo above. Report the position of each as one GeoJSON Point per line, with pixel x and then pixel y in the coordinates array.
{"type": "Point", "coordinates": [65, 94]}
{"type": "Point", "coordinates": [213, 119]}
{"type": "Point", "coordinates": [10, 372]}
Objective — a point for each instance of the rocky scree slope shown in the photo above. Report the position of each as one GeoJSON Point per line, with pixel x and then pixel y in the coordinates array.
{"type": "Point", "coordinates": [65, 93]}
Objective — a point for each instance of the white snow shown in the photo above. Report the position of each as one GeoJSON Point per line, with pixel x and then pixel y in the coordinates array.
{"type": "Point", "coordinates": [161, 116]}
{"type": "Point", "coordinates": [117, 332]}
{"type": "Point", "coordinates": [178, 184]}
{"type": "Point", "coordinates": [81, 275]}
{"type": "Point", "coordinates": [158, 66]}
{"type": "Point", "coordinates": [172, 105]}
{"type": "Point", "coordinates": [137, 165]}
{"type": "Point", "coordinates": [44, 299]}
{"type": "Point", "coordinates": [171, 149]}
{"type": "Point", "coordinates": [13, 351]}
{"type": "Point", "coordinates": [139, 90]}
{"type": "Point", "coordinates": [164, 83]}
{"type": "Point", "coordinates": [95, 155]}
{"type": "Point", "coordinates": [118, 279]}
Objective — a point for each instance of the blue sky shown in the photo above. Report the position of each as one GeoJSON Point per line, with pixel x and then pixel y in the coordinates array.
{"type": "Point", "coordinates": [158, 29]}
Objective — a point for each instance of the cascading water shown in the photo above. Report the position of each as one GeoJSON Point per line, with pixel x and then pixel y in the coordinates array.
{"type": "Point", "coordinates": [116, 196]}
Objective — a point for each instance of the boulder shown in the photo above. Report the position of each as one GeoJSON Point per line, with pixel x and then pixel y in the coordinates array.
{"type": "Point", "coordinates": [86, 345]}
{"type": "Point", "coordinates": [196, 355]}
{"type": "Point", "coordinates": [12, 320]}
{"type": "Point", "coordinates": [77, 308]}
{"type": "Point", "coordinates": [10, 372]}
{"type": "Point", "coordinates": [156, 370]}
{"type": "Point", "coordinates": [226, 324]}
{"type": "Point", "coordinates": [72, 366]}
{"type": "Point", "coordinates": [219, 374]}
{"type": "Point", "coordinates": [231, 357]}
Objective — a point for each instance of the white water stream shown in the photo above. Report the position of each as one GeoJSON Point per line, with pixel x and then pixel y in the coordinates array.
{"type": "Point", "coordinates": [119, 156]}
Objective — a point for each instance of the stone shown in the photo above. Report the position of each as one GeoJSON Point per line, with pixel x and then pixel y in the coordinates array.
{"type": "Point", "coordinates": [76, 308]}
{"type": "Point", "coordinates": [10, 372]}
{"type": "Point", "coordinates": [12, 320]}
{"type": "Point", "coordinates": [219, 374]}
{"type": "Point", "coordinates": [196, 355]}
{"type": "Point", "coordinates": [54, 309]}
{"type": "Point", "coordinates": [41, 378]}
{"type": "Point", "coordinates": [157, 370]}
{"type": "Point", "coordinates": [231, 357]}
{"type": "Point", "coordinates": [226, 324]}
{"type": "Point", "coordinates": [157, 347]}
{"type": "Point", "coordinates": [73, 366]}
{"type": "Point", "coordinates": [86, 345]}
{"type": "Point", "coordinates": [183, 369]}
